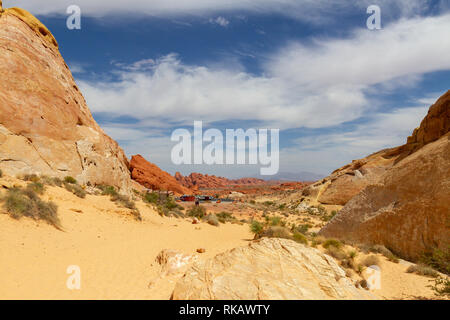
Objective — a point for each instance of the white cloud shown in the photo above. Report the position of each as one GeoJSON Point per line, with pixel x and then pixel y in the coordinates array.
{"type": "Point", "coordinates": [221, 21]}
{"type": "Point", "coordinates": [303, 86]}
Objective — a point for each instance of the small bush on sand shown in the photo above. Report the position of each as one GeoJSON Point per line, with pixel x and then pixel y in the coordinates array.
{"type": "Point", "coordinates": [31, 177]}
{"type": "Point", "coordinates": [52, 181]}
{"type": "Point", "coordinates": [26, 203]}
{"type": "Point", "coordinates": [108, 190]}
{"type": "Point", "coordinates": [256, 227]}
{"type": "Point", "coordinates": [212, 220]}
{"type": "Point", "coordinates": [371, 261]}
{"type": "Point", "coordinates": [275, 221]}
{"type": "Point", "coordinates": [438, 259]}
{"type": "Point", "coordinates": [225, 217]}
{"type": "Point", "coordinates": [276, 232]}
{"type": "Point", "coordinates": [385, 252]}
{"type": "Point", "coordinates": [441, 287]}
{"type": "Point", "coordinates": [70, 180]}
{"type": "Point", "coordinates": [317, 240]}
{"type": "Point", "coordinates": [336, 252]}
{"type": "Point", "coordinates": [332, 243]}
{"type": "Point", "coordinates": [197, 212]}
{"type": "Point", "coordinates": [300, 238]}
{"type": "Point", "coordinates": [422, 270]}
{"type": "Point", "coordinates": [124, 201]}
{"type": "Point", "coordinates": [75, 189]}
{"type": "Point", "coordinates": [36, 187]}
{"type": "Point", "coordinates": [150, 197]}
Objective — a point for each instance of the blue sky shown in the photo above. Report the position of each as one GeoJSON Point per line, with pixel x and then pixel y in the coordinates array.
{"type": "Point", "coordinates": [337, 90]}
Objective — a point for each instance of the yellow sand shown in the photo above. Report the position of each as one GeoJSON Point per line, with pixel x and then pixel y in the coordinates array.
{"type": "Point", "coordinates": [116, 254]}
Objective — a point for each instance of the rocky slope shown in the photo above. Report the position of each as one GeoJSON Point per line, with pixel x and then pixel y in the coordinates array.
{"type": "Point", "coordinates": [270, 269]}
{"type": "Point", "coordinates": [408, 209]}
{"type": "Point", "coordinates": [152, 177]}
{"type": "Point", "coordinates": [346, 182]}
{"type": "Point", "coordinates": [45, 124]}
{"type": "Point", "coordinates": [205, 181]}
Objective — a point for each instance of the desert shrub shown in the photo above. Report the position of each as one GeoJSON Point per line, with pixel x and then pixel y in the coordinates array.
{"type": "Point", "coordinates": [332, 243]}
{"type": "Point", "coordinates": [300, 238]}
{"type": "Point", "coordinates": [256, 227]}
{"type": "Point", "coordinates": [225, 217]}
{"type": "Point", "coordinates": [52, 181]}
{"type": "Point", "coordinates": [371, 261]}
{"type": "Point", "coordinates": [317, 240]}
{"type": "Point", "coordinates": [1, 173]}
{"type": "Point", "coordinates": [31, 177]}
{"type": "Point", "coordinates": [422, 270]}
{"type": "Point", "coordinates": [385, 252]}
{"type": "Point", "coordinates": [268, 203]}
{"type": "Point", "coordinates": [123, 200]}
{"type": "Point", "coordinates": [441, 286]}
{"type": "Point", "coordinates": [282, 206]}
{"type": "Point", "coordinates": [252, 202]}
{"type": "Point", "coordinates": [336, 252]}
{"type": "Point", "coordinates": [275, 221]}
{"type": "Point", "coordinates": [197, 212]}
{"type": "Point", "coordinates": [70, 180]}
{"type": "Point", "coordinates": [327, 217]}
{"type": "Point", "coordinates": [36, 187]}
{"type": "Point", "coordinates": [302, 228]}
{"type": "Point", "coordinates": [352, 254]}
{"type": "Point", "coordinates": [26, 203]}
{"type": "Point", "coordinates": [108, 190]}
{"type": "Point", "coordinates": [438, 259]}
{"type": "Point", "coordinates": [276, 232]}
{"type": "Point", "coordinates": [150, 197]}
{"type": "Point", "coordinates": [75, 189]}
{"type": "Point", "coordinates": [212, 220]}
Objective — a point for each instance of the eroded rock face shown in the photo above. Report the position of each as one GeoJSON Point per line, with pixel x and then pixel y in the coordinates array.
{"type": "Point", "coordinates": [346, 182]}
{"type": "Point", "coordinates": [272, 269]}
{"type": "Point", "coordinates": [45, 124]}
{"type": "Point", "coordinates": [408, 211]}
{"type": "Point", "coordinates": [152, 177]}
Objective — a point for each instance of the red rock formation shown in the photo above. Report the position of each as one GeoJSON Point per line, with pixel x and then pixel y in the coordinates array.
{"type": "Point", "coordinates": [201, 181]}
{"type": "Point", "coordinates": [45, 124]}
{"type": "Point", "coordinates": [152, 177]}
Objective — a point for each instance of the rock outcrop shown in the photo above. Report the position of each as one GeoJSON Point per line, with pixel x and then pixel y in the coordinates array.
{"type": "Point", "coordinates": [205, 181]}
{"type": "Point", "coordinates": [408, 209]}
{"type": "Point", "coordinates": [152, 177]}
{"type": "Point", "coordinates": [346, 182]}
{"type": "Point", "coordinates": [269, 269]}
{"type": "Point", "coordinates": [45, 124]}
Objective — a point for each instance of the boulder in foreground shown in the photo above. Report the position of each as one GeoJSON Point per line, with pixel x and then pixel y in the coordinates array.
{"type": "Point", "coordinates": [269, 269]}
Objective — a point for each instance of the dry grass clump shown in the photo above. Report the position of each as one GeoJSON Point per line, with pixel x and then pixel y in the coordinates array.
{"type": "Point", "coordinates": [371, 261]}
{"type": "Point", "coordinates": [441, 286]}
{"type": "Point", "coordinates": [438, 259]}
{"type": "Point", "coordinates": [336, 252]}
{"type": "Point", "coordinates": [121, 200]}
{"type": "Point", "coordinates": [26, 203]}
{"type": "Point", "coordinates": [332, 243]}
{"type": "Point", "coordinates": [197, 212]}
{"type": "Point", "coordinates": [225, 217]}
{"type": "Point", "coordinates": [422, 270]}
{"type": "Point", "coordinates": [212, 220]}
{"type": "Point", "coordinates": [75, 189]}
{"type": "Point", "coordinates": [385, 252]}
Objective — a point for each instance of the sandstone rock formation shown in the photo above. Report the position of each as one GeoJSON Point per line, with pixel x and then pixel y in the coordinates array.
{"type": "Point", "coordinates": [271, 269]}
{"type": "Point", "coordinates": [152, 177]}
{"type": "Point", "coordinates": [346, 182]}
{"type": "Point", "coordinates": [205, 181]}
{"type": "Point", "coordinates": [408, 209]}
{"type": "Point", "coordinates": [45, 124]}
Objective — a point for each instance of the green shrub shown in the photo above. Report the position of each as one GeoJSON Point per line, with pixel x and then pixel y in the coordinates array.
{"type": "Point", "coordinates": [275, 221]}
{"type": "Point", "coordinates": [438, 259]}
{"type": "Point", "coordinates": [336, 252]}
{"type": "Point", "coordinates": [422, 270]}
{"type": "Point", "coordinates": [197, 212]}
{"type": "Point", "coordinates": [256, 227]}
{"type": "Point", "coordinates": [225, 217]}
{"type": "Point", "coordinates": [332, 243]}
{"type": "Point", "coordinates": [52, 181]}
{"type": "Point", "coordinates": [108, 190]}
{"type": "Point", "coordinates": [31, 177]}
{"type": "Point", "coordinates": [150, 197]}
{"type": "Point", "coordinates": [75, 189]}
{"type": "Point", "coordinates": [26, 203]}
{"type": "Point", "coordinates": [300, 238]}
{"type": "Point", "coordinates": [70, 180]}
